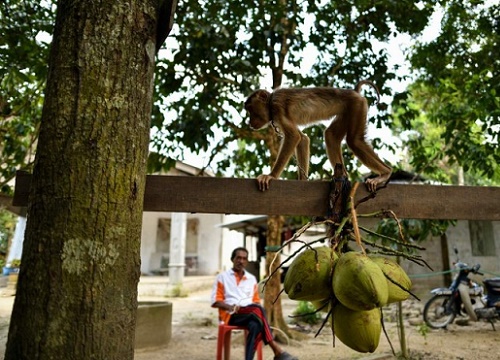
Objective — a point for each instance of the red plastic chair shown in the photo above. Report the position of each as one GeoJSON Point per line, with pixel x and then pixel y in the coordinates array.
{"type": "Point", "coordinates": [224, 341]}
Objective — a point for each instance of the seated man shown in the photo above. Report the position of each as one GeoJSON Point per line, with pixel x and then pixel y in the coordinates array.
{"type": "Point", "coordinates": [235, 293]}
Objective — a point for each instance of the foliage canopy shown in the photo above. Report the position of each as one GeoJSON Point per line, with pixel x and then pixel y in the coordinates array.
{"type": "Point", "coordinates": [220, 51]}
{"type": "Point", "coordinates": [454, 104]}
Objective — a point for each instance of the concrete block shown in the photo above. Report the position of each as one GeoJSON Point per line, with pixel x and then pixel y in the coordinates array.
{"type": "Point", "coordinates": [154, 324]}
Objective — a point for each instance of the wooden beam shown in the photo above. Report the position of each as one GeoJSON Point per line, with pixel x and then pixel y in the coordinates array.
{"type": "Point", "coordinates": [308, 198]}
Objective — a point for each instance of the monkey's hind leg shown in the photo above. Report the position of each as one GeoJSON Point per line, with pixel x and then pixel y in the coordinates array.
{"type": "Point", "coordinates": [302, 155]}
{"type": "Point", "coordinates": [334, 134]}
{"type": "Point", "coordinates": [369, 158]}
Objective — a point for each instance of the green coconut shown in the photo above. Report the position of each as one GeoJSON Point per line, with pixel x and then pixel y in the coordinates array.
{"type": "Point", "coordinates": [360, 330]}
{"type": "Point", "coordinates": [307, 279]}
{"type": "Point", "coordinates": [398, 276]}
{"type": "Point", "coordinates": [359, 283]}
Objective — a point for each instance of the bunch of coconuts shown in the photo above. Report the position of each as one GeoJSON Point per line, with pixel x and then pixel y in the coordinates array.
{"type": "Point", "coordinates": [356, 284]}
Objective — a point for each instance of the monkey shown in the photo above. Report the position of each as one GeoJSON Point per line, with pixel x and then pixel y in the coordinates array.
{"type": "Point", "coordinates": [287, 108]}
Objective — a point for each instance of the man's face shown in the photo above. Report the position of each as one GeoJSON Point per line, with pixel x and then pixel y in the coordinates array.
{"type": "Point", "coordinates": [240, 261]}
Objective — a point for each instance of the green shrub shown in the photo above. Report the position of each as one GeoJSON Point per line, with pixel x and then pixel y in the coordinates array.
{"type": "Point", "coordinates": [306, 312]}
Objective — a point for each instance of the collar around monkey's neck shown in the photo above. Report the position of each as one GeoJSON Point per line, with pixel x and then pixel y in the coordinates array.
{"type": "Point", "coordinates": [269, 103]}
{"type": "Point", "coordinates": [270, 110]}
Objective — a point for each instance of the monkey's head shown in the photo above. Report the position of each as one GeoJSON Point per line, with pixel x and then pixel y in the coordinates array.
{"type": "Point", "coordinates": [257, 106]}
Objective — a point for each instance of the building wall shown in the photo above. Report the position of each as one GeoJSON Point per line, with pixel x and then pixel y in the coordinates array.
{"type": "Point", "coordinates": [460, 237]}
{"type": "Point", "coordinates": [203, 245]}
{"type": "Point", "coordinates": [148, 241]}
{"type": "Point", "coordinates": [209, 243]}
{"type": "Point", "coordinates": [214, 246]}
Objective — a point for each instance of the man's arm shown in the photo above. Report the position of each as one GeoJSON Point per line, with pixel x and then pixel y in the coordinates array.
{"type": "Point", "coordinates": [232, 309]}
{"type": "Point", "coordinates": [256, 296]}
{"type": "Point", "coordinates": [219, 298]}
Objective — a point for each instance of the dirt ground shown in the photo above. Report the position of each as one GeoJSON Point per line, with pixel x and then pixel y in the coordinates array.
{"type": "Point", "coordinates": [194, 334]}
{"type": "Point", "coordinates": [194, 337]}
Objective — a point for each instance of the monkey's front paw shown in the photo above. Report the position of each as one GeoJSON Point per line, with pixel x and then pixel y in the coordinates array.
{"type": "Point", "coordinates": [379, 182]}
{"type": "Point", "coordinates": [371, 185]}
{"type": "Point", "coordinates": [263, 181]}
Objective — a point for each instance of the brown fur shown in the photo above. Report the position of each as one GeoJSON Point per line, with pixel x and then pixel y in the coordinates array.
{"type": "Point", "coordinates": [289, 108]}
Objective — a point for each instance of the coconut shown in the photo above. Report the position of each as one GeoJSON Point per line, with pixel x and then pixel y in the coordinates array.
{"type": "Point", "coordinates": [398, 276]}
{"type": "Point", "coordinates": [307, 279]}
{"type": "Point", "coordinates": [360, 330]}
{"type": "Point", "coordinates": [359, 283]}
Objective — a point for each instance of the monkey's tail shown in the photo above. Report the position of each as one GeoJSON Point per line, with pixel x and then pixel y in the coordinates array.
{"type": "Point", "coordinates": [357, 88]}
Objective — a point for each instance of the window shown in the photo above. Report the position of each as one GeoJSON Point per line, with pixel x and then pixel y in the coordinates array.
{"type": "Point", "coordinates": [482, 238]}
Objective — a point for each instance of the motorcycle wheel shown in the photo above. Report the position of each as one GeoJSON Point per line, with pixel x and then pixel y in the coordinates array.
{"type": "Point", "coordinates": [435, 315]}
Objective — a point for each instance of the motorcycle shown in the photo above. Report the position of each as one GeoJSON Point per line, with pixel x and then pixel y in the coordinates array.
{"type": "Point", "coordinates": [464, 297]}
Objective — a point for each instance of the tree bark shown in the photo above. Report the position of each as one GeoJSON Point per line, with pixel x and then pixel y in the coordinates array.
{"type": "Point", "coordinates": [445, 258]}
{"type": "Point", "coordinates": [77, 289]}
{"type": "Point", "coordinates": [274, 310]}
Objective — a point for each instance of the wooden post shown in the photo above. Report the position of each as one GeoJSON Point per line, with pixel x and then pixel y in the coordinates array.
{"type": "Point", "coordinates": [340, 187]}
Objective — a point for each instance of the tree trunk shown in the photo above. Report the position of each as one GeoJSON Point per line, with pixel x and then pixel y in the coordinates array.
{"type": "Point", "coordinates": [274, 310]}
{"type": "Point", "coordinates": [445, 257]}
{"type": "Point", "coordinates": [77, 290]}
{"type": "Point", "coordinates": [272, 303]}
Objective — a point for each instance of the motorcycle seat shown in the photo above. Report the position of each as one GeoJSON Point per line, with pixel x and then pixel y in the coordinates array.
{"type": "Point", "coordinates": [492, 285]}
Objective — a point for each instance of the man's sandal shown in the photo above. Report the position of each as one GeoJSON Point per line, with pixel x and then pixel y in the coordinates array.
{"type": "Point", "coordinates": [285, 356]}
